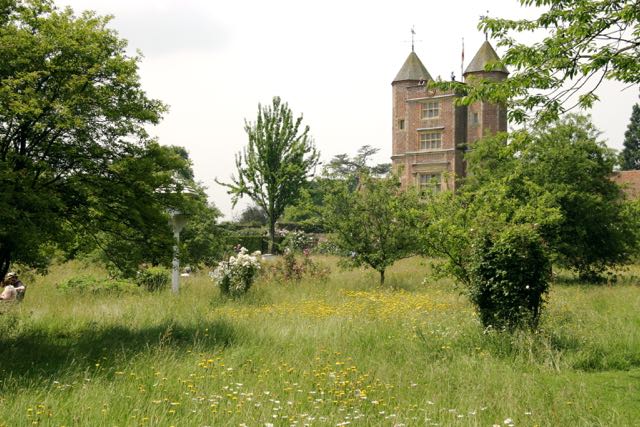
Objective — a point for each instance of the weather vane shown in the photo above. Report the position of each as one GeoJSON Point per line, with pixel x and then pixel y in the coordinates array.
{"type": "Point", "coordinates": [413, 38]}
{"type": "Point", "coordinates": [486, 34]}
{"type": "Point", "coordinates": [413, 35]}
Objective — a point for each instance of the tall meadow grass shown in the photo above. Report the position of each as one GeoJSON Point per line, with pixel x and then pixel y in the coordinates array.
{"type": "Point", "coordinates": [320, 352]}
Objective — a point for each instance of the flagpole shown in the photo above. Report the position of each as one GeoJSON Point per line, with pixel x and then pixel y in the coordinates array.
{"type": "Point", "coordinates": [462, 62]}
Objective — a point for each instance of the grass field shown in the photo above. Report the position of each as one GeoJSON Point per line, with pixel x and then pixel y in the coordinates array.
{"type": "Point", "coordinates": [335, 352]}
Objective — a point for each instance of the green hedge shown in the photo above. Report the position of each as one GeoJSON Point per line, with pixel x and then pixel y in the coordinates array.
{"type": "Point", "coordinates": [253, 242]}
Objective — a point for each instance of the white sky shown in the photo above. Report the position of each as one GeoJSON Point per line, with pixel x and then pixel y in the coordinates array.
{"type": "Point", "coordinates": [333, 61]}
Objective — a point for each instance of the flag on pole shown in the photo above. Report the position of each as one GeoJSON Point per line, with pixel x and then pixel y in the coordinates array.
{"type": "Point", "coordinates": [462, 62]}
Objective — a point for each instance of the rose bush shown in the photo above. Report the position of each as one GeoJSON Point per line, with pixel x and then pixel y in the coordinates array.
{"type": "Point", "coordinates": [235, 276]}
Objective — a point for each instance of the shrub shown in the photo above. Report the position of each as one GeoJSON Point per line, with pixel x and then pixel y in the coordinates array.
{"type": "Point", "coordinates": [251, 242]}
{"type": "Point", "coordinates": [90, 285]}
{"type": "Point", "coordinates": [291, 269]}
{"type": "Point", "coordinates": [236, 275]}
{"type": "Point", "coordinates": [153, 278]}
{"type": "Point", "coordinates": [509, 276]}
{"type": "Point", "coordinates": [297, 241]}
{"type": "Point", "coordinates": [327, 247]}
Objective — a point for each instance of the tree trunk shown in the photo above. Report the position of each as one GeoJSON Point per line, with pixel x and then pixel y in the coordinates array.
{"type": "Point", "coordinates": [381, 277]}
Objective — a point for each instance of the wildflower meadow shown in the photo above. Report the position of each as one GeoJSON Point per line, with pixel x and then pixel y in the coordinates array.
{"type": "Point", "coordinates": [334, 350]}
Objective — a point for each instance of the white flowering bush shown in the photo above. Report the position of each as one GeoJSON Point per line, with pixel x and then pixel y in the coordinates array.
{"type": "Point", "coordinates": [236, 275]}
{"type": "Point", "coordinates": [298, 241]}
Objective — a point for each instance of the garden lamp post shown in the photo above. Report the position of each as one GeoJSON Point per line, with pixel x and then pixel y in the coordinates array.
{"type": "Point", "coordinates": [178, 221]}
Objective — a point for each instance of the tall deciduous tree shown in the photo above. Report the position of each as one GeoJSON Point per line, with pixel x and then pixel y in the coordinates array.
{"type": "Point", "coordinates": [374, 223]}
{"type": "Point", "coordinates": [342, 166]}
{"type": "Point", "coordinates": [276, 164]}
{"type": "Point", "coordinates": [583, 43]}
{"type": "Point", "coordinates": [75, 160]}
{"type": "Point", "coordinates": [566, 164]}
{"type": "Point", "coordinates": [630, 156]}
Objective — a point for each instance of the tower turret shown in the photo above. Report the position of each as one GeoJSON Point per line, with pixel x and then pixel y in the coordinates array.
{"type": "Point", "coordinates": [413, 70]}
{"type": "Point", "coordinates": [485, 118]}
{"type": "Point", "coordinates": [411, 79]}
{"type": "Point", "coordinates": [427, 129]}
{"type": "Point", "coordinates": [486, 56]}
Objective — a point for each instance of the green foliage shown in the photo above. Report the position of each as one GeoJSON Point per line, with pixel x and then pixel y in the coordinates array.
{"type": "Point", "coordinates": [297, 241]}
{"type": "Point", "coordinates": [343, 167]}
{"type": "Point", "coordinates": [251, 242]}
{"type": "Point", "coordinates": [490, 243]}
{"type": "Point", "coordinates": [145, 188]}
{"type": "Point", "coordinates": [276, 164]}
{"type": "Point", "coordinates": [253, 214]}
{"type": "Point", "coordinates": [565, 163]}
{"type": "Point", "coordinates": [509, 277]}
{"type": "Point", "coordinates": [292, 268]}
{"type": "Point", "coordinates": [307, 212]}
{"type": "Point", "coordinates": [630, 156]}
{"type": "Point", "coordinates": [373, 223]}
{"type": "Point", "coordinates": [77, 167]}
{"type": "Point", "coordinates": [583, 43]}
{"type": "Point", "coordinates": [90, 285]}
{"type": "Point", "coordinates": [153, 278]}
{"type": "Point", "coordinates": [327, 247]}
{"type": "Point", "coordinates": [203, 240]}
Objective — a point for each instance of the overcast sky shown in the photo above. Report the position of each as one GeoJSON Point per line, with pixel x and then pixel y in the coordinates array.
{"type": "Point", "coordinates": [333, 61]}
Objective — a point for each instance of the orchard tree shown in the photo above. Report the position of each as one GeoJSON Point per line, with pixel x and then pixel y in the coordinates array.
{"type": "Point", "coordinates": [276, 164]}
{"type": "Point", "coordinates": [76, 163]}
{"type": "Point", "coordinates": [630, 156]}
{"type": "Point", "coordinates": [584, 43]}
{"type": "Point", "coordinates": [374, 223]}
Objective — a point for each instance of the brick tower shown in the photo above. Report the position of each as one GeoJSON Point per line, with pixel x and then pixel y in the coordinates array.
{"type": "Point", "coordinates": [485, 118]}
{"type": "Point", "coordinates": [431, 133]}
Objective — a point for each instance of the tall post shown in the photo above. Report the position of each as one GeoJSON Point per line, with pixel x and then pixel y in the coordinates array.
{"type": "Point", "coordinates": [175, 276]}
{"type": "Point", "coordinates": [178, 221]}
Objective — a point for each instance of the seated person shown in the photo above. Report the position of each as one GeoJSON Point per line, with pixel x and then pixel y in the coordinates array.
{"type": "Point", "coordinates": [14, 289]}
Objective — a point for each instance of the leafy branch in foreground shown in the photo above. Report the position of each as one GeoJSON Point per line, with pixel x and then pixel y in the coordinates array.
{"type": "Point", "coordinates": [585, 42]}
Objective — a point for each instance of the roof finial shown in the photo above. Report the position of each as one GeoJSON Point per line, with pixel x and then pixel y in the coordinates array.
{"type": "Point", "coordinates": [413, 35]}
{"type": "Point", "coordinates": [486, 34]}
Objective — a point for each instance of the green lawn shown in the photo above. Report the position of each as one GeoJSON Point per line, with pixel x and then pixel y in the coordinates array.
{"type": "Point", "coordinates": [316, 353]}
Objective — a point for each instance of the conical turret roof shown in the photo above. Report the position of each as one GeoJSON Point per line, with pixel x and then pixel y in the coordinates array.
{"type": "Point", "coordinates": [413, 69]}
{"type": "Point", "coordinates": [485, 55]}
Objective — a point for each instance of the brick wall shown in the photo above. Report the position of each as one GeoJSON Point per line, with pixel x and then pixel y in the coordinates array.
{"type": "Point", "coordinates": [629, 181]}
